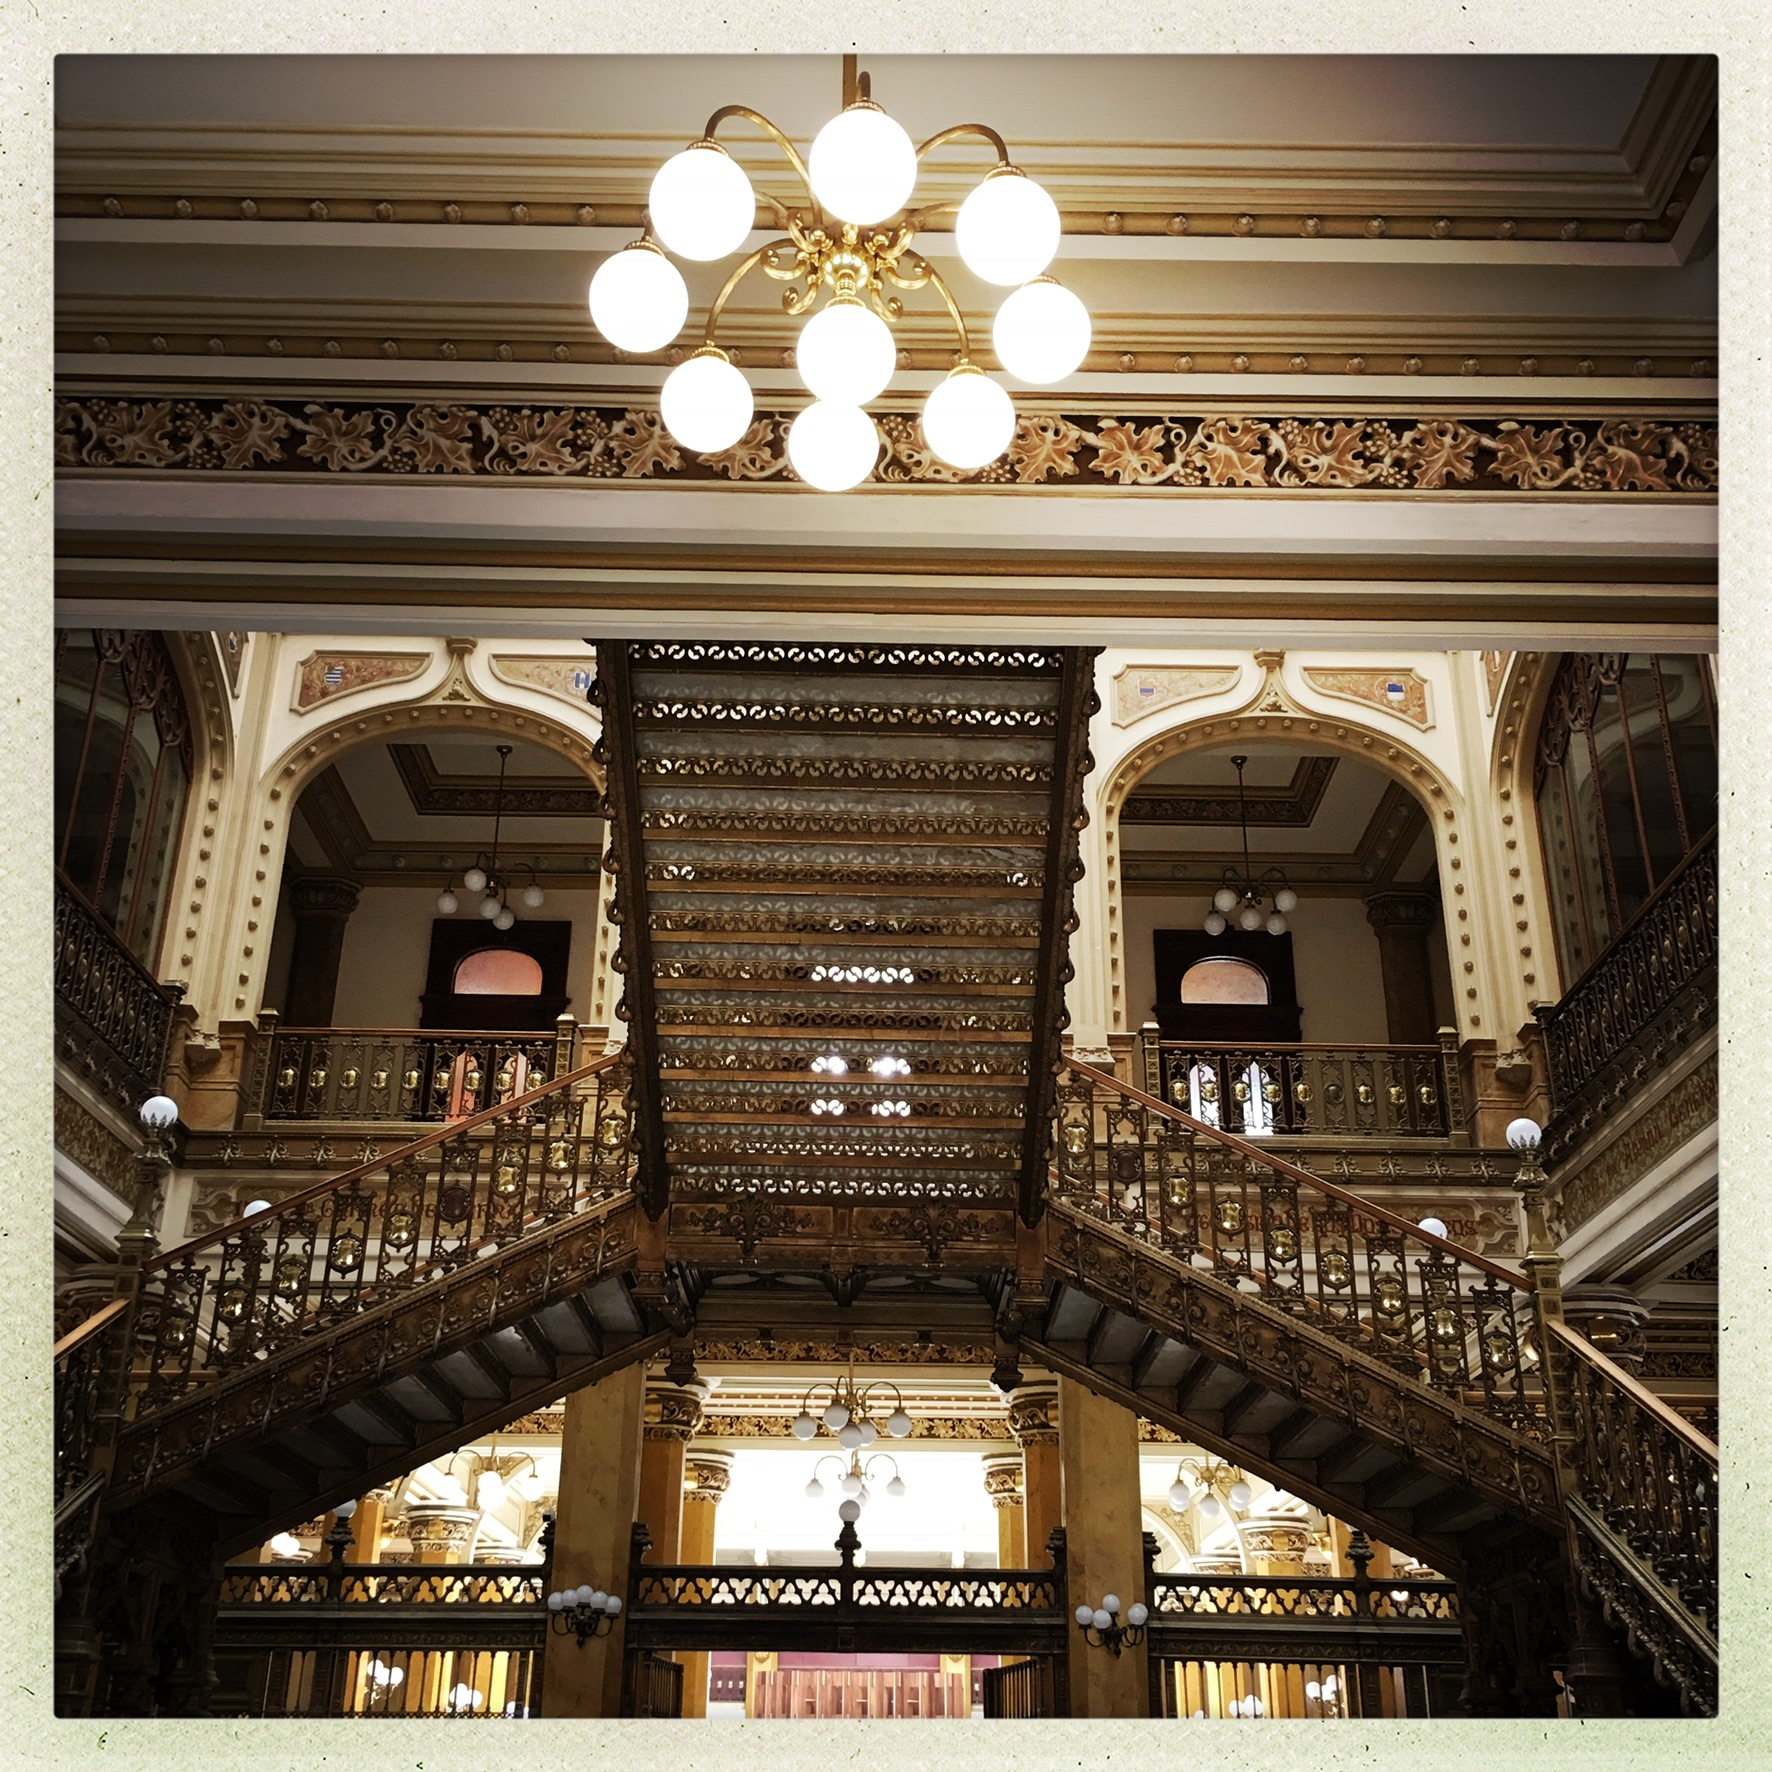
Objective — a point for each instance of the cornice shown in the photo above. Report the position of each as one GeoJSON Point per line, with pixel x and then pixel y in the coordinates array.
{"type": "Point", "coordinates": [1248, 343]}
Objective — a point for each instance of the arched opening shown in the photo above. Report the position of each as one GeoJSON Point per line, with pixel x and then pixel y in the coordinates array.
{"type": "Point", "coordinates": [1268, 1019]}
{"type": "Point", "coordinates": [122, 773]}
{"type": "Point", "coordinates": [397, 998]}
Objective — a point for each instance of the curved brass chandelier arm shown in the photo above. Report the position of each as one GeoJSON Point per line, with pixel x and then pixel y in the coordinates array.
{"type": "Point", "coordinates": [744, 268]}
{"type": "Point", "coordinates": [776, 136]}
{"type": "Point", "coordinates": [959, 129]}
{"type": "Point", "coordinates": [927, 273]}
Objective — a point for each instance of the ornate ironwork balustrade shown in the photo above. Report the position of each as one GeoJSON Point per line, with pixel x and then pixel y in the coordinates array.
{"type": "Point", "coordinates": [113, 1017]}
{"type": "Point", "coordinates": [1642, 1500]}
{"type": "Point", "coordinates": [1648, 993]}
{"type": "Point", "coordinates": [1303, 1646]}
{"type": "Point", "coordinates": [1344, 1264]}
{"type": "Point", "coordinates": [424, 1211]}
{"type": "Point", "coordinates": [1322, 1091]}
{"type": "Point", "coordinates": [338, 1639]}
{"type": "Point", "coordinates": [398, 1074]}
{"type": "Point", "coordinates": [843, 1607]}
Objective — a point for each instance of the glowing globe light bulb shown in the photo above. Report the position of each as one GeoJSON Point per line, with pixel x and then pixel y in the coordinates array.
{"type": "Point", "coordinates": [968, 420]}
{"type": "Point", "coordinates": [447, 903]}
{"type": "Point", "coordinates": [896, 1486]}
{"type": "Point", "coordinates": [804, 1427]}
{"type": "Point", "coordinates": [1215, 924]}
{"type": "Point", "coordinates": [845, 352]}
{"type": "Point", "coordinates": [505, 918]}
{"type": "Point", "coordinates": [833, 447]}
{"type": "Point", "coordinates": [898, 1424]}
{"type": "Point", "coordinates": [705, 402]}
{"type": "Point", "coordinates": [1224, 899]}
{"type": "Point", "coordinates": [474, 879]}
{"type": "Point", "coordinates": [835, 1416]}
{"type": "Point", "coordinates": [1240, 1496]}
{"type": "Point", "coordinates": [849, 1436]}
{"type": "Point", "coordinates": [1277, 925]}
{"type": "Point", "coordinates": [1286, 901]}
{"type": "Point", "coordinates": [701, 204]}
{"type": "Point", "coordinates": [1007, 230]}
{"type": "Point", "coordinates": [862, 165]}
{"type": "Point", "coordinates": [1179, 1496]}
{"type": "Point", "coordinates": [1250, 918]}
{"type": "Point", "coordinates": [639, 300]}
{"type": "Point", "coordinates": [851, 1484]}
{"type": "Point", "coordinates": [534, 898]}
{"type": "Point", "coordinates": [1041, 332]}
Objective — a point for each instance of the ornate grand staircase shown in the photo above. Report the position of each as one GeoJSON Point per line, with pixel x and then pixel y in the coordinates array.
{"type": "Point", "coordinates": [866, 855]}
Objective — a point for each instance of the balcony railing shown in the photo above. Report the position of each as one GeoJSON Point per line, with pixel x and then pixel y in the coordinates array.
{"type": "Point", "coordinates": [338, 1639]}
{"type": "Point", "coordinates": [1658, 977]}
{"type": "Point", "coordinates": [1304, 1646]}
{"type": "Point", "coordinates": [1323, 1091]}
{"type": "Point", "coordinates": [397, 1075]}
{"type": "Point", "coordinates": [112, 1015]}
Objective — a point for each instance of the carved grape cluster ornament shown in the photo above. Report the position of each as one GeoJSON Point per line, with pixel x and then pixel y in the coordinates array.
{"type": "Point", "coordinates": [847, 248]}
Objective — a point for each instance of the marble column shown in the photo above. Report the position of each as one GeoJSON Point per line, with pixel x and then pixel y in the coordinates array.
{"type": "Point", "coordinates": [1033, 1419]}
{"type": "Point", "coordinates": [706, 1477]}
{"type": "Point", "coordinates": [1002, 1483]}
{"type": "Point", "coordinates": [673, 1413]}
{"type": "Point", "coordinates": [321, 908]}
{"type": "Point", "coordinates": [1403, 921]}
{"type": "Point", "coordinates": [599, 1498]}
{"type": "Point", "coordinates": [1104, 1538]}
{"type": "Point", "coordinates": [366, 1527]}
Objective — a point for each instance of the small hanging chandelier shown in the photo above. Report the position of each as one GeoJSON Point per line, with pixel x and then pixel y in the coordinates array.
{"type": "Point", "coordinates": [849, 1413]}
{"type": "Point", "coordinates": [853, 1482]}
{"type": "Point", "coordinates": [1242, 895]}
{"type": "Point", "coordinates": [1211, 1485]}
{"type": "Point", "coordinates": [486, 877]}
{"type": "Point", "coordinates": [847, 247]}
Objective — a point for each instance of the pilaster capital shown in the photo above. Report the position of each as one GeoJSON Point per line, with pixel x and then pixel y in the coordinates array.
{"type": "Point", "coordinates": [1003, 1479]}
{"type": "Point", "coordinates": [707, 1475]}
{"type": "Point", "coordinates": [1400, 909]}
{"type": "Point", "coordinates": [323, 895]}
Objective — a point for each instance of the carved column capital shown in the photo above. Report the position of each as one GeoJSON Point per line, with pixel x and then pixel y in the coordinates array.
{"type": "Point", "coordinates": [323, 895]}
{"type": "Point", "coordinates": [1400, 909]}
{"type": "Point", "coordinates": [1003, 1479]}
{"type": "Point", "coordinates": [1612, 1318]}
{"type": "Point", "coordinates": [707, 1475]}
{"type": "Point", "coordinates": [673, 1411]}
{"type": "Point", "coordinates": [1033, 1414]}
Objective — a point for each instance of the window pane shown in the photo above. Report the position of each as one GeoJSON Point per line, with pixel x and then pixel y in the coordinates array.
{"type": "Point", "coordinates": [1695, 752]}
{"type": "Point", "coordinates": [498, 972]}
{"type": "Point", "coordinates": [158, 853]}
{"type": "Point", "coordinates": [1655, 789]}
{"type": "Point", "coordinates": [1630, 877]}
{"type": "Point", "coordinates": [91, 813]}
{"type": "Point", "coordinates": [1223, 981]}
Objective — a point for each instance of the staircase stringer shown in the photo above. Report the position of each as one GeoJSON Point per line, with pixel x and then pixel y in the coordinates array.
{"type": "Point", "coordinates": [494, 1417]}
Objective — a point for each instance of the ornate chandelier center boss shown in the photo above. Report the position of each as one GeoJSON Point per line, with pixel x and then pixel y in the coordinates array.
{"type": "Point", "coordinates": [844, 254]}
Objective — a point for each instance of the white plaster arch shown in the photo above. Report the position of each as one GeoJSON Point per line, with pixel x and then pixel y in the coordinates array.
{"type": "Point", "coordinates": [1280, 705]}
{"type": "Point", "coordinates": [450, 693]}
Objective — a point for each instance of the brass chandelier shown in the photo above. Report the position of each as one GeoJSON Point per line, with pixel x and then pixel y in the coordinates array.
{"type": "Point", "coordinates": [846, 254]}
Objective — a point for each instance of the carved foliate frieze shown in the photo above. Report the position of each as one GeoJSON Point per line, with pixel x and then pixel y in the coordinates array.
{"type": "Point", "coordinates": [882, 1348]}
{"type": "Point", "coordinates": [1164, 454]}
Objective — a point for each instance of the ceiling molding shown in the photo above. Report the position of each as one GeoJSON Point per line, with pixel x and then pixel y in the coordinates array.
{"type": "Point", "coordinates": [540, 178]}
{"type": "Point", "coordinates": [1293, 805]}
{"type": "Point", "coordinates": [433, 794]}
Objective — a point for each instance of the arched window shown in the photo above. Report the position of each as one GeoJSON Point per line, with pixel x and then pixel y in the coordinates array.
{"type": "Point", "coordinates": [1220, 979]}
{"type": "Point", "coordinates": [122, 770]}
{"type": "Point", "coordinates": [1626, 788]}
{"type": "Point", "coordinates": [497, 972]}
